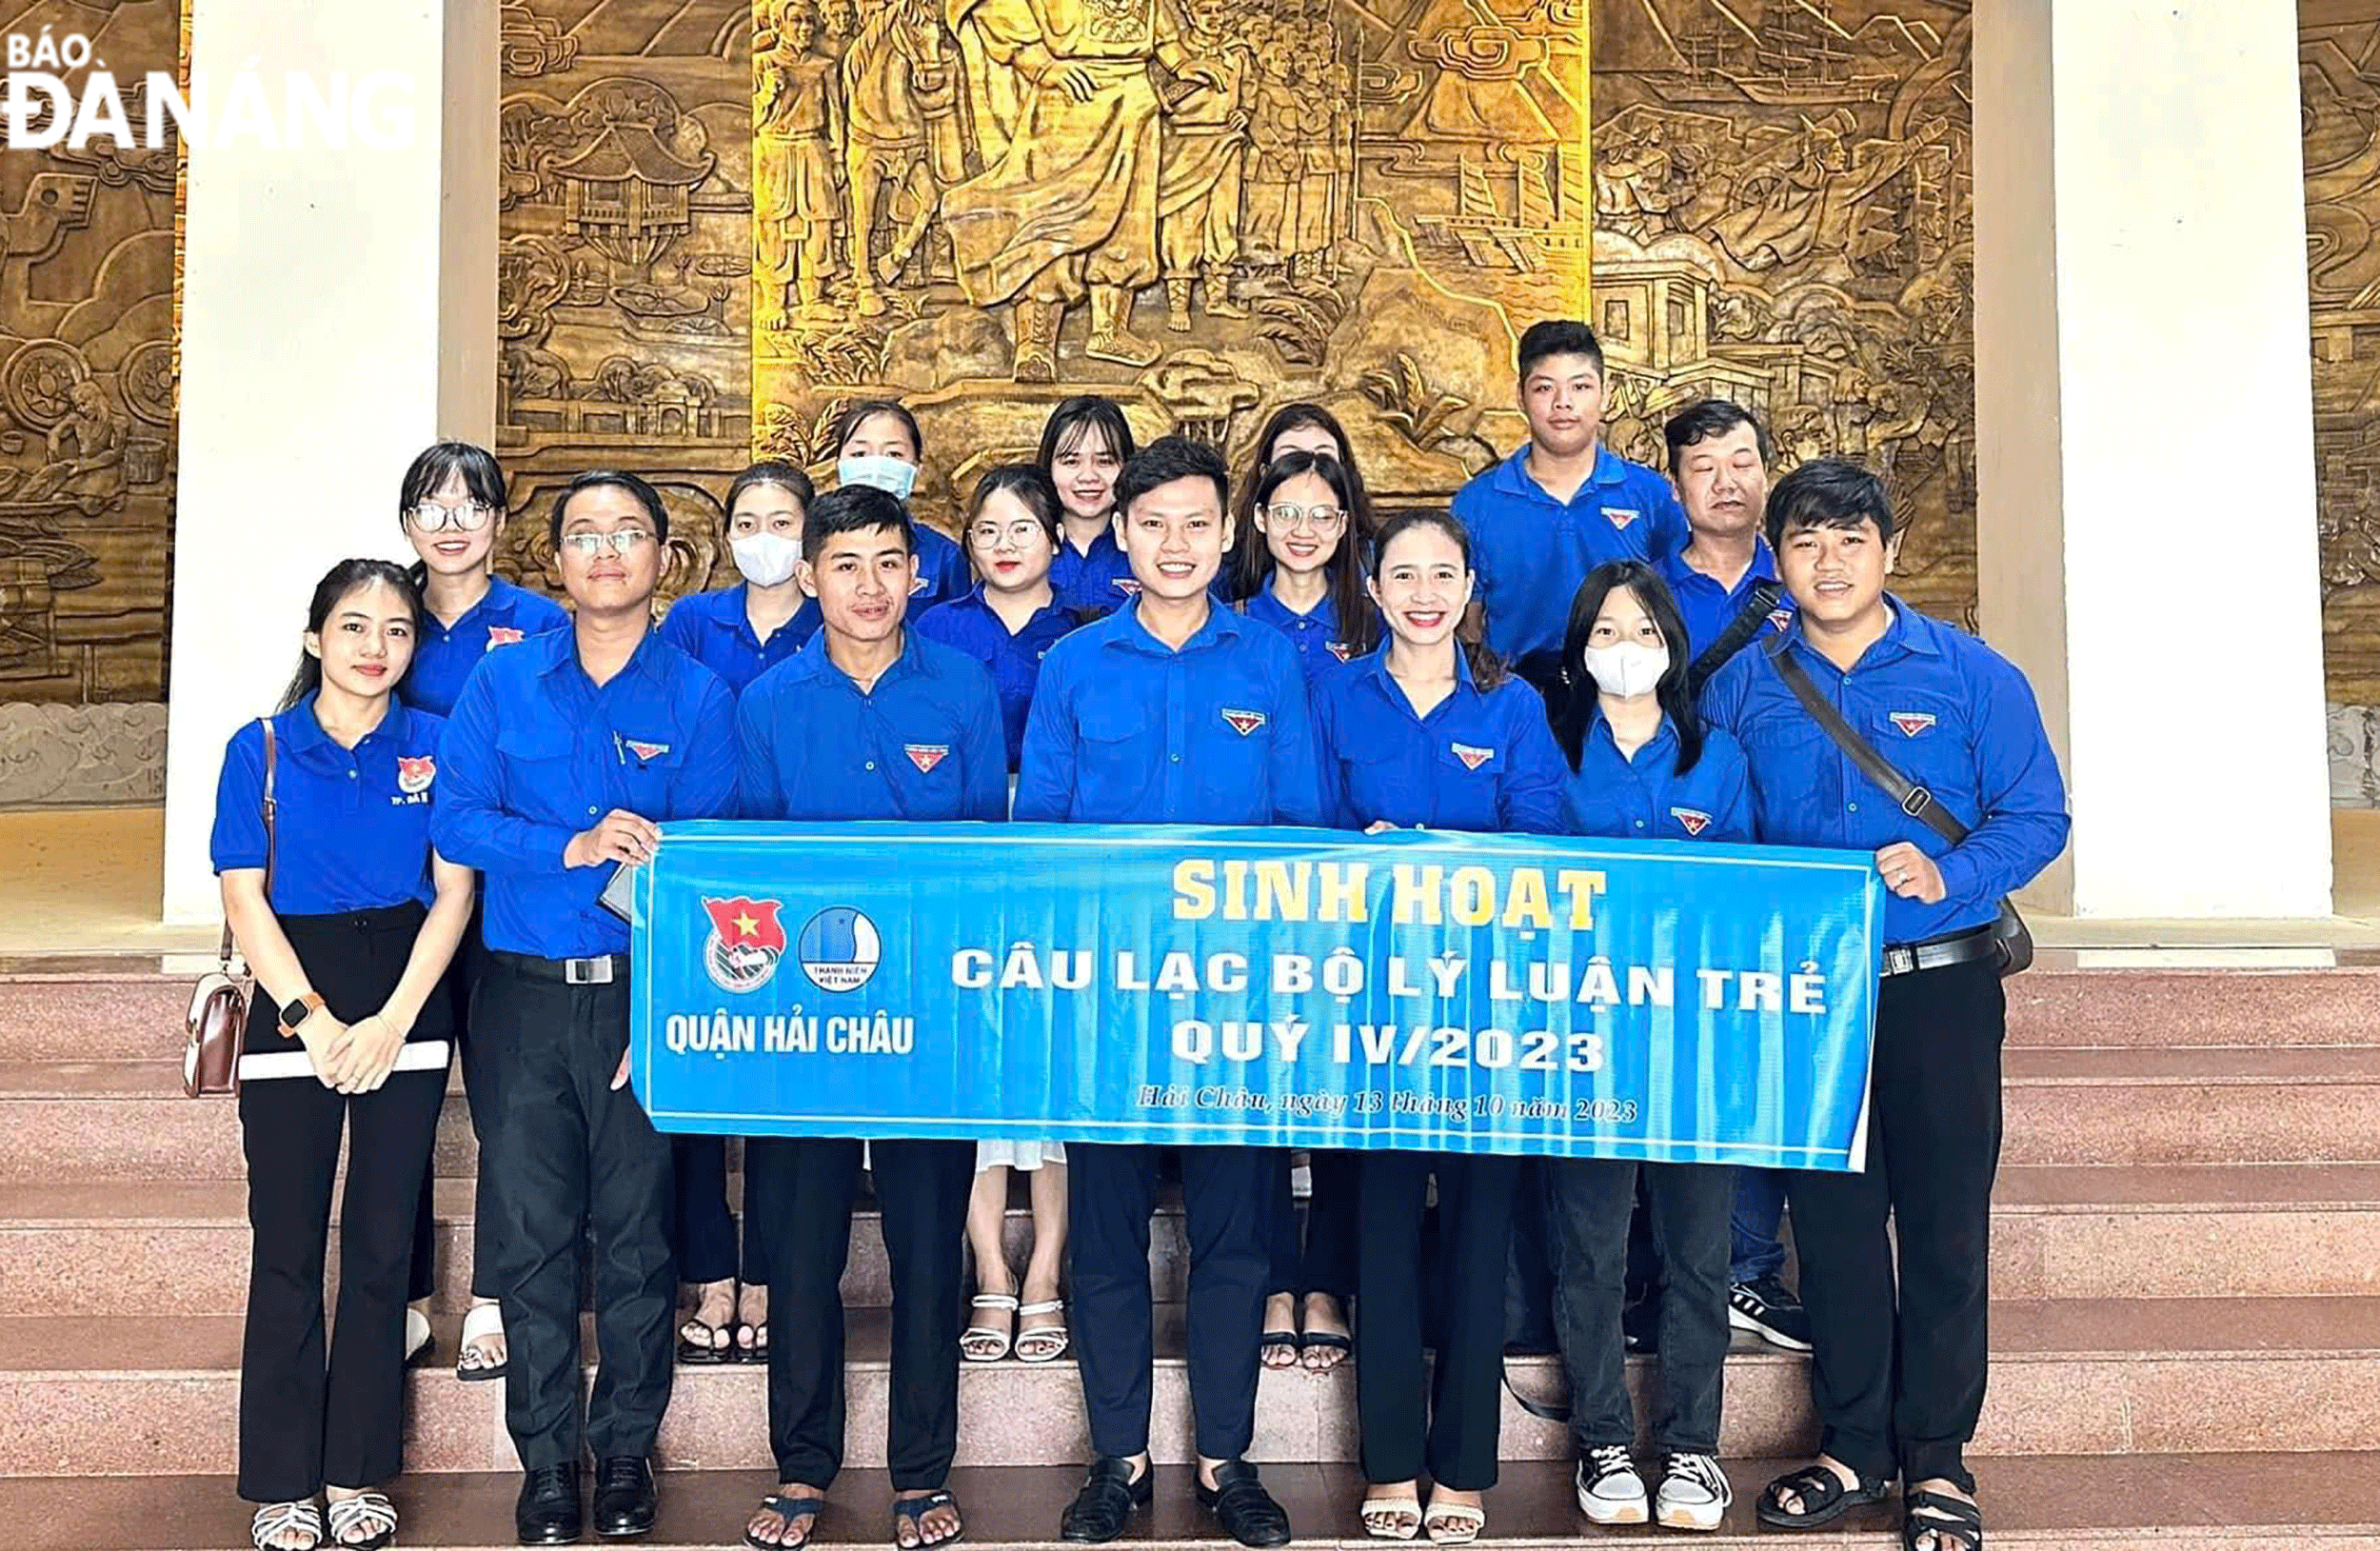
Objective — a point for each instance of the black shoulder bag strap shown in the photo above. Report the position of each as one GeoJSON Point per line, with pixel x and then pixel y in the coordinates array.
{"type": "Point", "coordinates": [1735, 637]}
{"type": "Point", "coordinates": [1916, 801]}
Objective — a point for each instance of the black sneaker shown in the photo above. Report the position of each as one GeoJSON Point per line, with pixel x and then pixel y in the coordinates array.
{"type": "Point", "coordinates": [1770, 1311]}
{"type": "Point", "coordinates": [1640, 1325]}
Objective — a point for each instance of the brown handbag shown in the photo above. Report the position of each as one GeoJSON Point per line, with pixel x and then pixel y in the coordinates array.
{"type": "Point", "coordinates": [218, 1017]}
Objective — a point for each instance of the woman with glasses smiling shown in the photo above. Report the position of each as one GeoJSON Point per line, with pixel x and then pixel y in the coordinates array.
{"type": "Point", "coordinates": [452, 503]}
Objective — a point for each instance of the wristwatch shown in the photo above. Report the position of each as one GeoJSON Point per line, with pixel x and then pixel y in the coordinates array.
{"type": "Point", "coordinates": [296, 1010]}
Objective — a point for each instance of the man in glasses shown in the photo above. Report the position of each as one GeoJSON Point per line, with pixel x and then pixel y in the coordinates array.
{"type": "Point", "coordinates": [562, 758]}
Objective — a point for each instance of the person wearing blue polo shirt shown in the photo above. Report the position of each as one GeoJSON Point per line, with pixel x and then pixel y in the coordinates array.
{"type": "Point", "coordinates": [1561, 505]}
{"type": "Point", "coordinates": [1642, 766]}
{"type": "Point", "coordinates": [1171, 711]}
{"type": "Point", "coordinates": [1898, 1380]}
{"type": "Point", "coordinates": [871, 720]}
{"type": "Point", "coordinates": [1304, 575]}
{"type": "Point", "coordinates": [451, 504]}
{"type": "Point", "coordinates": [1085, 443]}
{"type": "Point", "coordinates": [1425, 733]}
{"type": "Point", "coordinates": [561, 759]}
{"type": "Point", "coordinates": [878, 443]}
{"type": "Point", "coordinates": [349, 921]}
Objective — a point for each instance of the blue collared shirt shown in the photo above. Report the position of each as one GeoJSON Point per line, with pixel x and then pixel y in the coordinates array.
{"type": "Point", "coordinates": [1316, 636]}
{"type": "Point", "coordinates": [1615, 797]}
{"type": "Point", "coordinates": [1530, 551]}
{"type": "Point", "coordinates": [536, 751]}
{"type": "Point", "coordinates": [1710, 608]}
{"type": "Point", "coordinates": [715, 630]}
{"type": "Point", "coordinates": [1095, 583]}
{"type": "Point", "coordinates": [943, 572]}
{"type": "Point", "coordinates": [1126, 729]}
{"type": "Point", "coordinates": [923, 745]}
{"type": "Point", "coordinates": [969, 625]}
{"type": "Point", "coordinates": [1483, 760]}
{"type": "Point", "coordinates": [1949, 712]}
{"type": "Point", "coordinates": [444, 656]}
{"type": "Point", "coordinates": [350, 826]}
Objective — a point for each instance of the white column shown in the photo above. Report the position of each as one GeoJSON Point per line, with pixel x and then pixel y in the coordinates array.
{"type": "Point", "coordinates": [339, 314]}
{"type": "Point", "coordinates": [2145, 414]}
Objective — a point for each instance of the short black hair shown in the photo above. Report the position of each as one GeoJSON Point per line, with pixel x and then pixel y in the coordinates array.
{"type": "Point", "coordinates": [1710, 418]}
{"type": "Point", "coordinates": [774, 472]}
{"type": "Point", "coordinates": [1086, 412]}
{"type": "Point", "coordinates": [1828, 493]}
{"type": "Point", "coordinates": [1167, 458]}
{"type": "Point", "coordinates": [850, 509]}
{"type": "Point", "coordinates": [1558, 336]}
{"type": "Point", "coordinates": [614, 479]}
{"type": "Point", "coordinates": [483, 476]}
{"type": "Point", "coordinates": [867, 409]}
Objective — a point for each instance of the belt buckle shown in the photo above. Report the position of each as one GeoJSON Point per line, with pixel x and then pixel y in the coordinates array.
{"type": "Point", "coordinates": [587, 971]}
{"type": "Point", "coordinates": [1899, 961]}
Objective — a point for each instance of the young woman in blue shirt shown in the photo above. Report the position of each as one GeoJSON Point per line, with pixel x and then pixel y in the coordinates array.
{"type": "Point", "coordinates": [740, 631]}
{"type": "Point", "coordinates": [1304, 574]}
{"type": "Point", "coordinates": [1085, 444]}
{"type": "Point", "coordinates": [348, 919]}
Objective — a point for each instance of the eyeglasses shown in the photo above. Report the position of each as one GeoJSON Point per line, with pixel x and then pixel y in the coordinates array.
{"type": "Point", "coordinates": [1019, 533]}
{"type": "Point", "coordinates": [588, 545]}
{"type": "Point", "coordinates": [430, 517]}
{"type": "Point", "coordinates": [1320, 519]}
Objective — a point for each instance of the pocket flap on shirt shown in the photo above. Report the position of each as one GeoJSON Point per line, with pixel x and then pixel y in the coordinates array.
{"type": "Point", "coordinates": [1114, 720]}
{"type": "Point", "coordinates": [532, 741]}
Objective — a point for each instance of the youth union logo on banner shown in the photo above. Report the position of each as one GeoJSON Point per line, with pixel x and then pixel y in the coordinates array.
{"type": "Point", "coordinates": [745, 941]}
{"type": "Point", "coordinates": [840, 949]}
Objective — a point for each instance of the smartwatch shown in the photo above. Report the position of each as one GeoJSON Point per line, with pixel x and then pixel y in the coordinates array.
{"type": "Point", "coordinates": [296, 1010]}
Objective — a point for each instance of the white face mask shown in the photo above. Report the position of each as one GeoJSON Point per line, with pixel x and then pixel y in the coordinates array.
{"type": "Point", "coordinates": [1627, 668]}
{"type": "Point", "coordinates": [890, 475]}
{"type": "Point", "coordinates": [766, 559]}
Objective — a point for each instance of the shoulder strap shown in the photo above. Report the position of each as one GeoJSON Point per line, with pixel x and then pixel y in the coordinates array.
{"type": "Point", "coordinates": [1735, 637]}
{"type": "Point", "coordinates": [1914, 800]}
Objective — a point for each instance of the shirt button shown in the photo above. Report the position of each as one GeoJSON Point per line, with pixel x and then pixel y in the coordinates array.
{"type": "Point", "coordinates": [1640, 824]}
{"type": "Point", "coordinates": [1177, 759]}
{"type": "Point", "coordinates": [871, 765]}
{"type": "Point", "coordinates": [350, 775]}
{"type": "Point", "coordinates": [590, 813]}
{"type": "Point", "coordinates": [1850, 807]}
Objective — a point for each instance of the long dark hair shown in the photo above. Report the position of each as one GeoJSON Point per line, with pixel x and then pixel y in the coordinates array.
{"type": "Point", "coordinates": [1290, 417]}
{"type": "Point", "coordinates": [336, 583]}
{"type": "Point", "coordinates": [483, 480]}
{"type": "Point", "coordinates": [1253, 563]}
{"type": "Point", "coordinates": [1487, 668]}
{"type": "Point", "coordinates": [1577, 710]}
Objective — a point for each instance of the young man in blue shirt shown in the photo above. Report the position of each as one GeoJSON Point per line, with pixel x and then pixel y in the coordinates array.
{"type": "Point", "coordinates": [871, 720]}
{"type": "Point", "coordinates": [1171, 710]}
{"type": "Point", "coordinates": [1898, 1382]}
{"type": "Point", "coordinates": [1561, 505]}
{"type": "Point", "coordinates": [564, 756]}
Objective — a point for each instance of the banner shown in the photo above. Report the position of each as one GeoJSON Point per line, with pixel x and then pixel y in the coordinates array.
{"type": "Point", "coordinates": [1287, 987]}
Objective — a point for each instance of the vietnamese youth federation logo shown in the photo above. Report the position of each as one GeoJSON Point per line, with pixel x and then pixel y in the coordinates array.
{"type": "Point", "coordinates": [1694, 820]}
{"type": "Point", "coordinates": [1913, 723]}
{"type": "Point", "coordinates": [502, 635]}
{"type": "Point", "coordinates": [926, 756]}
{"type": "Point", "coordinates": [1243, 722]}
{"type": "Point", "coordinates": [645, 752]}
{"type": "Point", "coordinates": [414, 775]}
{"type": "Point", "coordinates": [839, 949]}
{"type": "Point", "coordinates": [747, 941]}
{"type": "Point", "coordinates": [1472, 757]}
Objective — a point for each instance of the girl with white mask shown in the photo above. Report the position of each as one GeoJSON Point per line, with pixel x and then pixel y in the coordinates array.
{"type": "Point", "coordinates": [878, 443]}
{"type": "Point", "coordinates": [1642, 766]}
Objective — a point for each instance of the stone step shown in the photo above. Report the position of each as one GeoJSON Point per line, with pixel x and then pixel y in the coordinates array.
{"type": "Point", "coordinates": [2101, 1377]}
{"type": "Point", "coordinates": [2170, 1231]}
{"type": "Point", "coordinates": [2233, 1503]}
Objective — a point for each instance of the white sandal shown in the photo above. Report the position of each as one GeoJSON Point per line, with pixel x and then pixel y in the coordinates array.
{"type": "Point", "coordinates": [1042, 1343]}
{"type": "Point", "coordinates": [1453, 1523]}
{"type": "Point", "coordinates": [277, 1518]}
{"type": "Point", "coordinates": [983, 1342]}
{"type": "Point", "coordinates": [473, 1363]}
{"type": "Point", "coordinates": [366, 1522]}
{"type": "Point", "coordinates": [417, 1333]}
{"type": "Point", "coordinates": [1392, 1517]}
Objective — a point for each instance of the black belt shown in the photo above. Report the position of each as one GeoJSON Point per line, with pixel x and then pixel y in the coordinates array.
{"type": "Point", "coordinates": [604, 969]}
{"type": "Point", "coordinates": [1940, 952]}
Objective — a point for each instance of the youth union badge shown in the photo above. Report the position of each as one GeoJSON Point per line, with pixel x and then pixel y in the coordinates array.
{"type": "Point", "coordinates": [747, 941]}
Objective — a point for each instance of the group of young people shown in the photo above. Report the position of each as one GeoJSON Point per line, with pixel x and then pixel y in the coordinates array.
{"type": "Point", "coordinates": [1124, 634]}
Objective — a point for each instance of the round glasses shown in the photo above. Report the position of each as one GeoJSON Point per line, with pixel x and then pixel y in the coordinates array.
{"type": "Point", "coordinates": [430, 517]}
{"type": "Point", "coordinates": [1317, 519]}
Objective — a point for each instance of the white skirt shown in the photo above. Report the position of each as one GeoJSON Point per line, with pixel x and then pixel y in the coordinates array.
{"type": "Point", "coordinates": [1022, 1156]}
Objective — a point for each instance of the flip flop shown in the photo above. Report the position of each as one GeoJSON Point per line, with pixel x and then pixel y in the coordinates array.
{"type": "Point", "coordinates": [915, 1509]}
{"type": "Point", "coordinates": [793, 1510]}
{"type": "Point", "coordinates": [1278, 1340]}
{"type": "Point", "coordinates": [1324, 1342]}
{"type": "Point", "coordinates": [705, 1350]}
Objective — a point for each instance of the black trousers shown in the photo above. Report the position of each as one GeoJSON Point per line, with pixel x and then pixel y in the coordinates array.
{"type": "Point", "coordinates": [1688, 1206]}
{"type": "Point", "coordinates": [1325, 1260]}
{"type": "Point", "coordinates": [468, 959]}
{"type": "Point", "coordinates": [566, 1160]}
{"type": "Point", "coordinates": [803, 1189]}
{"type": "Point", "coordinates": [703, 1232]}
{"type": "Point", "coordinates": [304, 1422]}
{"type": "Point", "coordinates": [1227, 1203]}
{"type": "Point", "coordinates": [1452, 1426]}
{"type": "Point", "coordinates": [1898, 1373]}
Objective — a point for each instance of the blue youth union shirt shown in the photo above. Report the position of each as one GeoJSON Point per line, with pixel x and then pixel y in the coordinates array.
{"type": "Point", "coordinates": [713, 628]}
{"type": "Point", "coordinates": [1530, 551]}
{"type": "Point", "coordinates": [1316, 636]}
{"type": "Point", "coordinates": [352, 825]}
{"type": "Point", "coordinates": [1709, 608]}
{"type": "Point", "coordinates": [536, 751]}
{"type": "Point", "coordinates": [1126, 729]}
{"type": "Point", "coordinates": [943, 572]}
{"type": "Point", "coordinates": [925, 743]}
{"type": "Point", "coordinates": [969, 626]}
{"type": "Point", "coordinates": [1952, 714]}
{"type": "Point", "coordinates": [1483, 760]}
{"type": "Point", "coordinates": [1613, 797]}
{"type": "Point", "coordinates": [1096, 582]}
{"type": "Point", "coordinates": [445, 655]}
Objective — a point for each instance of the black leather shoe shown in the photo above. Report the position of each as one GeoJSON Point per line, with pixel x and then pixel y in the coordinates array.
{"type": "Point", "coordinates": [624, 1497]}
{"type": "Point", "coordinates": [1244, 1507]}
{"type": "Point", "coordinates": [1099, 1511]}
{"type": "Point", "coordinates": [547, 1512]}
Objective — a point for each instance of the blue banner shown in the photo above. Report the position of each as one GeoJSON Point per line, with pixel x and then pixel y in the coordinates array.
{"type": "Point", "coordinates": [1287, 988]}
